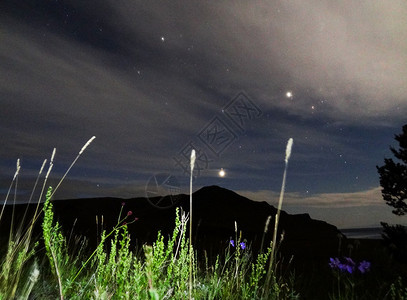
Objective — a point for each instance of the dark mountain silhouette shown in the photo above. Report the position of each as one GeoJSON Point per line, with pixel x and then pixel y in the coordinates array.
{"type": "Point", "coordinates": [215, 211]}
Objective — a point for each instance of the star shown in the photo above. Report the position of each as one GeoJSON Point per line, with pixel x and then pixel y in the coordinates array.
{"type": "Point", "coordinates": [222, 173]}
{"type": "Point", "coordinates": [289, 94]}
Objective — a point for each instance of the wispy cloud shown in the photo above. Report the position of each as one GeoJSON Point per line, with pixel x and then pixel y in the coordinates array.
{"type": "Point", "coordinates": [350, 54]}
{"type": "Point", "coordinates": [333, 200]}
{"type": "Point", "coordinates": [133, 73]}
{"type": "Point", "coordinates": [357, 209]}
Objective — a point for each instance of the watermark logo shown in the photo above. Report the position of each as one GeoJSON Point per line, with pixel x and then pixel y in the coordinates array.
{"type": "Point", "coordinates": [241, 110]}
{"type": "Point", "coordinates": [212, 140]}
{"type": "Point", "coordinates": [162, 190]}
{"type": "Point", "coordinates": [217, 136]}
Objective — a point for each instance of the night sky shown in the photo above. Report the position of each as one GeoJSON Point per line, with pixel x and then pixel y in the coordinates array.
{"type": "Point", "coordinates": [232, 79]}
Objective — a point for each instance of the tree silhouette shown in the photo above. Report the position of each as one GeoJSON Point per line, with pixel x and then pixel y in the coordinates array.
{"type": "Point", "coordinates": [393, 176]}
{"type": "Point", "coordinates": [393, 180]}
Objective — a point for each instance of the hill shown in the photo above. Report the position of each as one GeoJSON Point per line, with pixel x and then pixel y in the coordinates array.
{"type": "Point", "coordinates": [215, 211]}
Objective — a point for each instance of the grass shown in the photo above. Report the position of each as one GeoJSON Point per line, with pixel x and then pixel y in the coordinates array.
{"type": "Point", "coordinates": [51, 266]}
{"type": "Point", "coordinates": [159, 271]}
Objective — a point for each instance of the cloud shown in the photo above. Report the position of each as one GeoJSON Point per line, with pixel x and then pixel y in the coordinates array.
{"type": "Point", "coordinates": [67, 89]}
{"type": "Point", "coordinates": [345, 210]}
{"type": "Point", "coordinates": [350, 55]}
{"type": "Point", "coordinates": [104, 70]}
{"type": "Point", "coordinates": [333, 200]}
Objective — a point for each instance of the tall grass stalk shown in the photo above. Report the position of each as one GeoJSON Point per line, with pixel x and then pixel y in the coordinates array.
{"type": "Point", "coordinates": [44, 184]}
{"type": "Point", "coordinates": [34, 274]}
{"type": "Point", "coordinates": [36, 212]}
{"type": "Point", "coordinates": [55, 244]}
{"type": "Point", "coordinates": [193, 157]}
{"type": "Point", "coordinates": [266, 228]}
{"type": "Point", "coordinates": [32, 195]}
{"type": "Point", "coordinates": [120, 224]}
{"type": "Point", "coordinates": [116, 272]}
{"type": "Point", "coordinates": [280, 203]}
{"type": "Point", "coordinates": [72, 164]}
{"type": "Point", "coordinates": [10, 187]}
{"type": "Point", "coordinates": [18, 252]}
{"type": "Point", "coordinates": [20, 248]}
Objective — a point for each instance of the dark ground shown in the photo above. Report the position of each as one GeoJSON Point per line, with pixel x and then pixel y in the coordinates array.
{"type": "Point", "coordinates": [307, 243]}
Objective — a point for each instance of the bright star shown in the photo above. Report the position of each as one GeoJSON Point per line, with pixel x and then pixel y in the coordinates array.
{"type": "Point", "coordinates": [289, 94]}
{"type": "Point", "coordinates": [222, 173]}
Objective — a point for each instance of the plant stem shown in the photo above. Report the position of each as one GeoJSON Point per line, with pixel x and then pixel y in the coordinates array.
{"type": "Point", "coordinates": [190, 222]}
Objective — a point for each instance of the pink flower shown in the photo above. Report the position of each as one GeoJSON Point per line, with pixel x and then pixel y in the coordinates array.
{"type": "Point", "coordinates": [129, 213]}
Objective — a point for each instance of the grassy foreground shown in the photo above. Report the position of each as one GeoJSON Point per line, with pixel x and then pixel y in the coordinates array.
{"type": "Point", "coordinates": [58, 266]}
{"type": "Point", "coordinates": [52, 267]}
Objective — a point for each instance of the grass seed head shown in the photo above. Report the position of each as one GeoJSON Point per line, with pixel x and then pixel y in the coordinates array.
{"type": "Point", "coordinates": [266, 226]}
{"type": "Point", "coordinates": [87, 144]}
{"type": "Point", "coordinates": [288, 149]}
{"type": "Point", "coordinates": [193, 157]}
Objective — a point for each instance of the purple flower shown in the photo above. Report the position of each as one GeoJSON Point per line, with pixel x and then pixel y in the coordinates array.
{"type": "Point", "coordinates": [129, 213]}
{"type": "Point", "coordinates": [364, 266]}
{"type": "Point", "coordinates": [348, 265]}
{"type": "Point", "coordinates": [348, 268]}
{"type": "Point", "coordinates": [232, 242]}
{"type": "Point", "coordinates": [243, 245]}
{"type": "Point", "coordinates": [349, 261]}
{"type": "Point", "coordinates": [335, 263]}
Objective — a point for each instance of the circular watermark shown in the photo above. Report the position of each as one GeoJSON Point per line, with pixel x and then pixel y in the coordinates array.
{"type": "Point", "coordinates": [163, 190]}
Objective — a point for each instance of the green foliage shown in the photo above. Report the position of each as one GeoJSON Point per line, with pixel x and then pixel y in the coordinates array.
{"type": "Point", "coordinates": [393, 180]}
{"type": "Point", "coordinates": [160, 270]}
{"type": "Point", "coordinates": [168, 262]}
{"type": "Point", "coordinates": [168, 269]}
{"type": "Point", "coordinates": [398, 291]}
{"type": "Point", "coordinates": [393, 176]}
{"type": "Point", "coordinates": [395, 238]}
{"type": "Point", "coordinates": [17, 263]}
{"type": "Point", "coordinates": [150, 274]}
{"type": "Point", "coordinates": [258, 271]}
{"type": "Point", "coordinates": [13, 266]}
{"type": "Point", "coordinates": [62, 266]}
{"type": "Point", "coordinates": [115, 272]}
